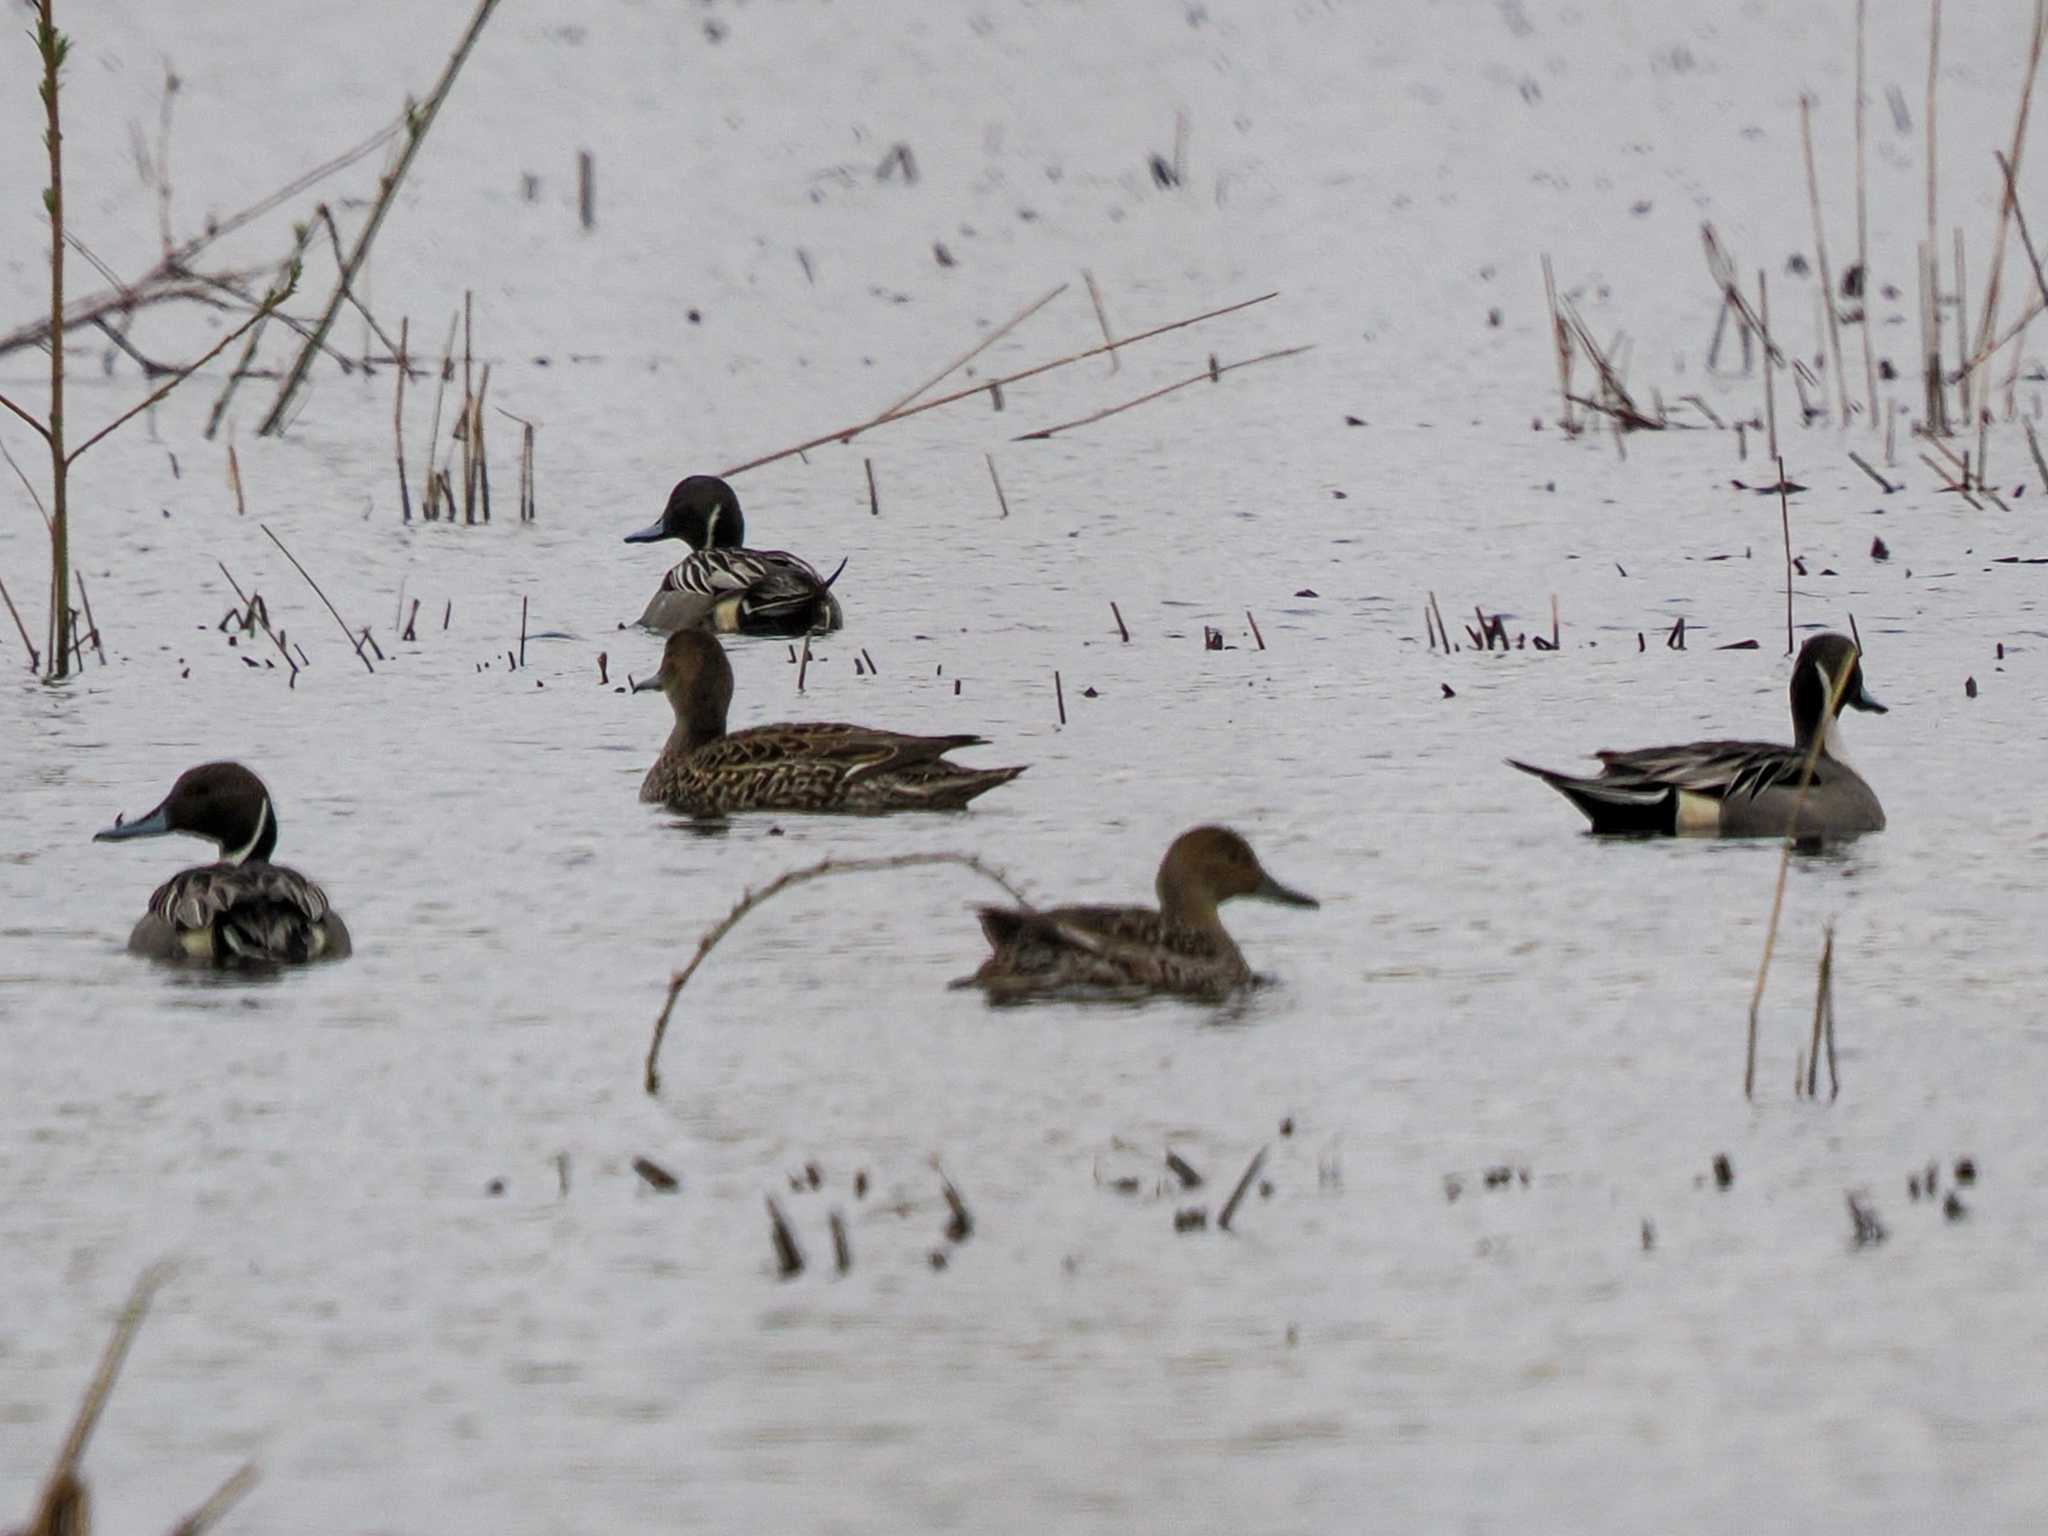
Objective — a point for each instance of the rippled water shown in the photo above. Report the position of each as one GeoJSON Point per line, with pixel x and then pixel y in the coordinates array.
{"type": "Point", "coordinates": [400, 1348]}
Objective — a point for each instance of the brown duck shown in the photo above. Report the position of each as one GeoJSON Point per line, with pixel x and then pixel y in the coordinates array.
{"type": "Point", "coordinates": [818, 766]}
{"type": "Point", "coordinates": [1130, 952]}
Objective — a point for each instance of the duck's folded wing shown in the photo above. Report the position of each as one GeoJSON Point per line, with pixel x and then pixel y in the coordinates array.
{"type": "Point", "coordinates": [1719, 769]}
{"type": "Point", "coordinates": [254, 911]}
{"type": "Point", "coordinates": [858, 750]}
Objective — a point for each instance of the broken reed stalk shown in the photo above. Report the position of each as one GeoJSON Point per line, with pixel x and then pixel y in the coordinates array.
{"type": "Point", "coordinates": [1207, 375]}
{"type": "Point", "coordinates": [1820, 249]}
{"type": "Point", "coordinates": [996, 480]}
{"type": "Point", "coordinates": [1102, 318]}
{"type": "Point", "coordinates": [522, 630]}
{"type": "Point", "coordinates": [975, 351]}
{"type": "Point", "coordinates": [1836, 686]}
{"type": "Point", "coordinates": [1261, 639]}
{"type": "Point", "coordinates": [1763, 297]}
{"type": "Point", "coordinates": [1059, 696]}
{"type": "Point", "coordinates": [429, 512]}
{"type": "Point", "coordinates": [354, 644]}
{"type": "Point", "coordinates": [235, 482]}
{"type": "Point", "coordinates": [874, 498]}
{"type": "Point", "coordinates": [1823, 1015]}
{"type": "Point", "coordinates": [848, 434]}
{"type": "Point", "coordinates": [398, 418]}
{"type": "Point", "coordinates": [1562, 335]}
{"type": "Point", "coordinates": [783, 882]}
{"type": "Point", "coordinates": [1863, 228]}
{"type": "Point", "coordinates": [92, 625]}
{"type": "Point", "coordinates": [1244, 1183]}
{"type": "Point", "coordinates": [99, 1388]}
{"type": "Point", "coordinates": [219, 1502]}
{"type": "Point", "coordinates": [35, 661]}
{"type": "Point", "coordinates": [417, 122]}
{"type": "Point", "coordinates": [302, 234]}
{"type": "Point", "coordinates": [1993, 281]}
{"type": "Point", "coordinates": [789, 1258]}
{"type": "Point", "coordinates": [2033, 447]}
{"type": "Point", "coordinates": [1785, 524]}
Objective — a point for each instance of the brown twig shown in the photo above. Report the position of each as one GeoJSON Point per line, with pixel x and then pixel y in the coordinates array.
{"type": "Point", "coordinates": [1207, 375]}
{"type": "Point", "coordinates": [975, 351]}
{"type": "Point", "coordinates": [1820, 247]}
{"type": "Point", "coordinates": [354, 644]}
{"type": "Point", "coordinates": [35, 661]}
{"type": "Point", "coordinates": [1230, 1206]}
{"type": "Point", "coordinates": [418, 121]}
{"type": "Point", "coordinates": [783, 882]}
{"type": "Point", "coordinates": [996, 480]}
{"type": "Point", "coordinates": [847, 434]}
{"type": "Point", "coordinates": [1101, 318]}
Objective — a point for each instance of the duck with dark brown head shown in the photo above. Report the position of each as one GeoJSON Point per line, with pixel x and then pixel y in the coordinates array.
{"type": "Point", "coordinates": [241, 910]}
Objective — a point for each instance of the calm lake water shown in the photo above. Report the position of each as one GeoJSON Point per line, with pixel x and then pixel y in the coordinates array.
{"type": "Point", "coordinates": [417, 1279]}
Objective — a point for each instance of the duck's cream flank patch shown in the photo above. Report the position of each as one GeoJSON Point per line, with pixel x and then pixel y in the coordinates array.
{"type": "Point", "coordinates": [1698, 815]}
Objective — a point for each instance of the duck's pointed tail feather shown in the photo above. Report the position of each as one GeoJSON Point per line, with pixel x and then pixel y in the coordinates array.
{"type": "Point", "coordinates": [1611, 805]}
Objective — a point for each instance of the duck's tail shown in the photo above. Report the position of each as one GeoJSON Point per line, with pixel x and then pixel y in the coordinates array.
{"type": "Point", "coordinates": [1611, 806]}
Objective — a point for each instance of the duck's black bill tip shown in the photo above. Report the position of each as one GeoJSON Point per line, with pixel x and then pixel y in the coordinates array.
{"type": "Point", "coordinates": [648, 535]}
{"type": "Point", "coordinates": [1287, 896]}
{"type": "Point", "coordinates": [155, 824]}
{"type": "Point", "coordinates": [651, 683]}
{"type": "Point", "coordinates": [1865, 699]}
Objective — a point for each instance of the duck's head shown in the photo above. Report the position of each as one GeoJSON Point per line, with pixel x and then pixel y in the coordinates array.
{"type": "Point", "coordinates": [1829, 667]}
{"type": "Point", "coordinates": [702, 511]}
{"type": "Point", "coordinates": [1208, 865]}
{"type": "Point", "coordinates": [698, 681]}
{"type": "Point", "coordinates": [222, 802]}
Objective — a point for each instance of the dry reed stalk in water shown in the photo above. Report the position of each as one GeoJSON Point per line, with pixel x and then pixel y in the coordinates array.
{"type": "Point", "coordinates": [1102, 318]}
{"type": "Point", "coordinates": [1823, 1019]}
{"type": "Point", "coordinates": [354, 644]}
{"type": "Point", "coordinates": [874, 498]}
{"type": "Point", "coordinates": [1763, 297]}
{"type": "Point", "coordinates": [995, 480]}
{"type": "Point", "coordinates": [1244, 1182]}
{"type": "Point", "coordinates": [1863, 228]}
{"type": "Point", "coordinates": [789, 1258]}
{"type": "Point", "coordinates": [783, 882]}
{"type": "Point", "coordinates": [235, 482]}
{"type": "Point", "coordinates": [976, 350]}
{"type": "Point", "coordinates": [1861, 463]}
{"type": "Point", "coordinates": [1207, 375]}
{"type": "Point", "coordinates": [1993, 281]}
{"type": "Point", "coordinates": [1756, 997]}
{"type": "Point", "coordinates": [35, 661]}
{"type": "Point", "coordinates": [430, 511]}
{"type": "Point", "coordinates": [1820, 248]}
{"type": "Point", "coordinates": [1059, 696]}
{"type": "Point", "coordinates": [398, 418]}
{"type": "Point", "coordinates": [1785, 523]}
{"type": "Point", "coordinates": [1562, 335]}
{"type": "Point", "coordinates": [847, 434]}
{"type": "Point", "coordinates": [417, 123]}
{"type": "Point", "coordinates": [92, 624]}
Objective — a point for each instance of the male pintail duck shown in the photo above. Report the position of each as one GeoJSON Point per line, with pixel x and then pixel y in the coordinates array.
{"type": "Point", "coordinates": [243, 910]}
{"type": "Point", "coordinates": [1744, 788]}
{"type": "Point", "coordinates": [1125, 952]}
{"type": "Point", "coordinates": [725, 586]}
{"type": "Point", "coordinates": [812, 767]}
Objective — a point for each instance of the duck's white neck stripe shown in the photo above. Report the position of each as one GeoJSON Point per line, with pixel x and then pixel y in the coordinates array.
{"type": "Point", "coordinates": [1831, 718]}
{"type": "Point", "coordinates": [262, 823]}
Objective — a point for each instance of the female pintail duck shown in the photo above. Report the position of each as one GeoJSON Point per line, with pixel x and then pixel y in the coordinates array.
{"type": "Point", "coordinates": [1125, 952]}
{"type": "Point", "coordinates": [725, 586]}
{"type": "Point", "coordinates": [1744, 788]}
{"type": "Point", "coordinates": [243, 910]}
{"type": "Point", "coordinates": [812, 767]}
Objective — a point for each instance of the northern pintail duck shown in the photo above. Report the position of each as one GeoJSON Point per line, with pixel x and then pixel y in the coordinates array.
{"type": "Point", "coordinates": [243, 910]}
{"type": "Point", "coordinates": [1124, 952]}
{"type": "Point", "coordinates": [725, 586]}
{"type": "Point", "coordinates": [811, 767]}
{"type": "Point", "coordinates": [1744, 788]}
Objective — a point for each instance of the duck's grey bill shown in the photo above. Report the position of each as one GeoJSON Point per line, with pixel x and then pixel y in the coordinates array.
{"type": "Point", "coordinates": [1273, 890]}
{"type": "Point", "coordinates": [1865, 699]}
{"type": "Point", "coordinates": [155, 824]}
{"type": "Point", "coordinates": [651, 683]}
{"type": "Point", "coordinates": [647, 535]}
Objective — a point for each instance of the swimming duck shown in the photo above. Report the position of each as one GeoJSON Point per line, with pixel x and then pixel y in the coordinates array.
{"type": "Point", "coordinates": [811, 767]}
{"type": "Point", "coordinates": [1744, 788]}
{"type": "Point", "coordinates": [243, 910]}
{"type": "Point", "coordinates": [725, 586]}
{"type": "Point", "coordinates": [1125, 952]}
